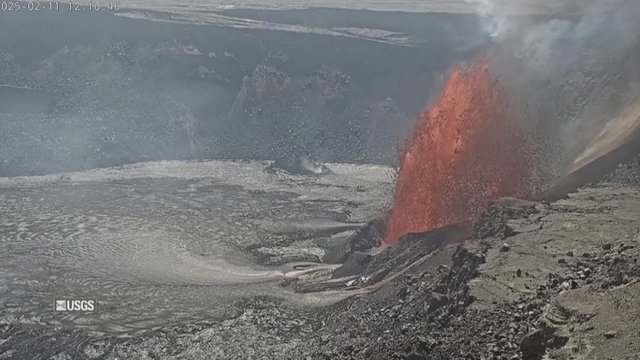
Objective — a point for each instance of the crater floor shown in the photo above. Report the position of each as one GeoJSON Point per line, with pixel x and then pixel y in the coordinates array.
{"type": "Point", "coordinates": [169, 242]}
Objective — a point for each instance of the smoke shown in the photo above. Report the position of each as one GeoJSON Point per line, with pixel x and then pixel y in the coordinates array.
{"type": "Point", "coordinates": [494, 23]}
{"type": "Point", "coordinates": [571, 73]}
{"type": "Point", "coordinates": [592, 30]}
{"type": "Point", "coordinates": [603, 30]}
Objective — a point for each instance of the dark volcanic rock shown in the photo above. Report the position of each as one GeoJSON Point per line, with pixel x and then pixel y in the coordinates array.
{"type": "Point", "coordinates": [366, 238]}
{"type": "Point", "coordinates": [533, 345]}
{"type": "Point", "coordinates": [356, 263]}
{"type": "Point", "coordinates": [493, 222]}
{"type": "Point", "coordinates": [279, 114]}
{"type": "Point", "coordinates": [626, 174]}
{"type": "Point", "coordinates": [370, 236]}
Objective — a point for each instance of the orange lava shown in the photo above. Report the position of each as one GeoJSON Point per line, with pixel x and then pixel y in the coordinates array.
{"type": "Point", "coordinates": [463, 153]}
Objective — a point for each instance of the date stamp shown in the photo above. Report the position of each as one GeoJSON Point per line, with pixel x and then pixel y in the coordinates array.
{"type": "Point", "coordinates": [42, 6]}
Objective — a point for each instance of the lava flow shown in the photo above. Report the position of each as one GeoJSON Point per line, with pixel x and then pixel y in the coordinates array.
{"type": "Point", "coordinates": [463, 153]}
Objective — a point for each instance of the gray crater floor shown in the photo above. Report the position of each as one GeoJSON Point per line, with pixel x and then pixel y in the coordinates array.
{"type": "Point", "coordinates": [169, 242]}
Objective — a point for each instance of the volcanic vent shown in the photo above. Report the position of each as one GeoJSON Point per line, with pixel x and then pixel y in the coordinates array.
{"type": "Point", "coordinates": [463, 153]}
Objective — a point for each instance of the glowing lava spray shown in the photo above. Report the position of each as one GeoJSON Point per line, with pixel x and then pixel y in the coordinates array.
{"type": "Point", "coordinates": [463, 153]}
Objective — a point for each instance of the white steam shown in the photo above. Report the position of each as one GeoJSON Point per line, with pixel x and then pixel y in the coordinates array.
{"type": "Point", "coordinates": [603, 30]}
{"type": "Point", "coordinates": [494, 23]}
{"type": "Point", "coordinates": [574, 72]}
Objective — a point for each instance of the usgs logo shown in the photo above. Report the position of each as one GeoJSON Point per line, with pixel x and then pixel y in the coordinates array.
{"type": "Point", "coordinates": [75, 305]}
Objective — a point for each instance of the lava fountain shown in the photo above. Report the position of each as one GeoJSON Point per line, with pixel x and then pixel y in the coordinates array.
{"type": "Point", "coordinates": [463, 153]}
